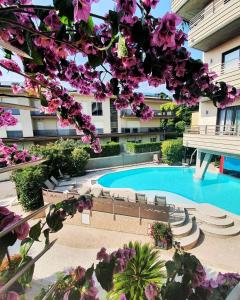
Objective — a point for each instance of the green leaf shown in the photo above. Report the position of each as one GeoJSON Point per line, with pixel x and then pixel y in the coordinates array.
{"type": "Point", "coordinates": [54, 221]}
{"type": "Point", "coordinates": [64, 20]}
{"type": "Point", "coordinates": [122, 49]}
{"type": "Point", "coordinates": [89, 272]}
{"type": "Point", "coordinates": [35, 231]}
{"type": "Point", "coordinates": [171, 268]}
{"type": "Point", "coordinates": [26, 278]}
{"type": "Point", "coordinates": [74, 294]}
{"type": "Point", "coordinates": [43, 100]}
{"type": "Point", "coordinates": [88, 27]}
{"type": "Point", "coordinates": [96, 60]}
{"type": "Point", "coordinates": [6, 241]}
{"type": "Point", "coordinates": [25, 246]}
{"type": "Point", "coordinates": [46, 235]}
{"type": "Point", "coordinates": [65, 8]}
{"type": "Point", "coordinates": [104, 274]}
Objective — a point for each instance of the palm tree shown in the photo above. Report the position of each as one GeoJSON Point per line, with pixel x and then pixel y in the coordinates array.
{"type": "Point", "coordinates": [143, 269]}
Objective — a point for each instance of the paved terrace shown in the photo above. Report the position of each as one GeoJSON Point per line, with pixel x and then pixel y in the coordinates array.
{"type": "Point", "coordinates": [78, 245]}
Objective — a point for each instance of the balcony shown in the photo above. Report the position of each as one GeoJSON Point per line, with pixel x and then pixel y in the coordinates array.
{"type": "Point", "coordinates": [54, 132]}
{"type": "Point", "coordinates": [42, 115]}
{"type": "Point", "coordinates": [228, 72]}
{"type": "Point", "coordinates": [215, 139]}
{"type": "Point", "coordinates": [141, 130]}
{"type": "Point", "coordinates": [187, 9]}
{"type": "Point", "coordinates": [215, 24]}
{"type": "Point", "coordinates": [127, 113]}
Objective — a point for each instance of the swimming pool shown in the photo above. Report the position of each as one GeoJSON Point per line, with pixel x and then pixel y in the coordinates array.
{"type": "Point", "coordinates": [220, 190]}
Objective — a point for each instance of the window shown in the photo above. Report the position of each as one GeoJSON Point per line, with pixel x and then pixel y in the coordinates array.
{"type": "Point", "coordinates": [15, 112]}
{"type": "Point", "coordinates": [153, 140]}
{"type": "Point", "coordinates": [97, 109]}
{"type": "Point", "coordinates": [231, 59]}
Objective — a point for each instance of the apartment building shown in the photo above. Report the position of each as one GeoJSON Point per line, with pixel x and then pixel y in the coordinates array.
{"type": "Point", "coordinates": [121, 126]}
{"type": "Point", "coordinates": [215, 30]}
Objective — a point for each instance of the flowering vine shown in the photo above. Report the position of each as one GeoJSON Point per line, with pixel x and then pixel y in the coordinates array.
{"type": "Point", "coordinates": [120, 53]}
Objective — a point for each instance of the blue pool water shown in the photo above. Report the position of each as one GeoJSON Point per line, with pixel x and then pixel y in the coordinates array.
{"type": "Point", "coordinates": [220, 190]}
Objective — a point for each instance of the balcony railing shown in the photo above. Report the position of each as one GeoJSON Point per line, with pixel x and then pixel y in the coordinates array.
{"type": "Point", "coordinates": [215, 16]}
{"type": "Point", "coordinates": [157, 113]}
{"type": "Point", "coordinates": [226, 130]}
{"type": "Point", "coordinates": [141, 130]}
{"type": "Point", "coordinates": [228, 72]}
{"type": "Point", "coordinates": [54, 132]}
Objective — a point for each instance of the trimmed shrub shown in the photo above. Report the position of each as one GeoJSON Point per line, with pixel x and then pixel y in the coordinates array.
{"type": "Point", "coordinates": [143, 147]}
{"type": "Point", "coordinates": [109, 149]}
{"type": "Point", "coordinates": [172, 151]}
{"type": "Point", "coordinates": [79, 159]}
{"type": "Point", "coordinates": [180, 126]}
{"type": "Point", "coordinates": [29, 182]}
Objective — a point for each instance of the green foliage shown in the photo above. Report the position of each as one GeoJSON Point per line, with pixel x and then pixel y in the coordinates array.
{"type": "Point", "coordinates": [161, 231]}
{"type": "Point", "coordinates": [67, 155]}
{"type": "Point", "coordinates": [143, 147]}
{"type": "Point", "coordinates": [79, 159]}
{"type": "Point", "coordinates": [144, 268]}
{"type": "Point", "coordinates": [172, 151]}
{"type": "Point", "coordinates": [169, 106]}
{"type": "Point", "coordinates": [29, 182]}
{"type": "Point", "coordinates": [109, 149]}
{"type": "Point", "coordinates": [180, 126]}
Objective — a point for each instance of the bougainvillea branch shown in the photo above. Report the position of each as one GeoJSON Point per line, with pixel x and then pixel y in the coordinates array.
{"type": "Point", "coordinates": [129, 49]}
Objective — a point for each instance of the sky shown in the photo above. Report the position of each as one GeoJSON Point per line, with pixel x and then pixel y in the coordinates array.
{"type": "Point", "coordinates": [101, 8]}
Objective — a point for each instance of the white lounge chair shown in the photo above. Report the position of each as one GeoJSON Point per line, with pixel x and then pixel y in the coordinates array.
{"type": "Point", "coordinates": [51, 186]}
{"type": "Point", "coordinates": [63, 182]}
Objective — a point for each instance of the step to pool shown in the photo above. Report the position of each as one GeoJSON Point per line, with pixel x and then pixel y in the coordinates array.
{"type": "Point", "coordinates": [211, 211]}
{"type": "Point", "coordinates": [221, 232]}
{"type": "Point", "coordinates": [178, 218]}
{"type": "Point", "coordinates": [215, 222]}
{"type": "Point", "coordinates": [184, 230]}
{"type": "Point", "coordinates": [191, 240]}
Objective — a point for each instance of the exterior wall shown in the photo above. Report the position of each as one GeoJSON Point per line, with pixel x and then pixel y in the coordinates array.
{"type": "Point", "coordinates": [218, 22]}
{"type": "Point", "coordinates": [195, 119]}
{"type": "Point", "coordinates": [101, 122]}
{"type": "Point", "coordinates": [214, 56]}
{"type": "Point", "coordinates": [119, 223]}
{"type": "Point", "coordinates": [207, 113]}
{"type": "Point", "coordinates": [119, 160]}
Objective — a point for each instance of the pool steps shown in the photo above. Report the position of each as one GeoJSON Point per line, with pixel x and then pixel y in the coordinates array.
{"type": "Point", "coordinates": [186, 232]}
{"type": "Point", "coordinates": [214, 221]}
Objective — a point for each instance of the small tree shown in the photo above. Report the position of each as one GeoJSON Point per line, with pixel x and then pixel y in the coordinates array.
{"type": "Point", "coordinates": [79, 159]}
{"type": "Point", "coordinates": [180, 126]}
{"type": "Point", "coordinates": [172, 151]}
{"type": "Point", "coordinates": [143, 271]}
{"type": "Point", "coordinates": [29, 183]}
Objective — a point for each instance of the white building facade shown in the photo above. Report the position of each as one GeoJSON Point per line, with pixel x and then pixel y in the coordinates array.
{"type": "Point", "coordinates": [215, 30]}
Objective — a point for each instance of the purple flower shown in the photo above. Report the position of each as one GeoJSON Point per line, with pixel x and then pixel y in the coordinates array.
{"type": "Point", "coordinates": [150, 3]}
{"type": "Point", "coordinates": [151, 291]}
{"type": "Point", "coordinates": [127, 6]}
{"type": "Point", "coordinates": [52, 20]}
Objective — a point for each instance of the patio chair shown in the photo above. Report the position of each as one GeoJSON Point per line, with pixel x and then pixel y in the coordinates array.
{"type": "Point", "coordinates": [63, 182]}
{"type": "Point", "coordinates": [141, 198]}
{"type": "Point", "coordinates": [96, 190]}
{"type": "Point", "coordinates": [51, 186]}
{"type": "Point", "coordinates": [105, 194]}
{"type": "Point", "coordinates": [93, 181]}
{"type": "Point", "coordinates": [160, 200]}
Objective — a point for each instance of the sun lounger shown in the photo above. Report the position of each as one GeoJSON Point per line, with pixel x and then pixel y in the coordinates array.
{"type": "Point", "coordinates": [96, 190]}
{"type": "Point", "coordinates": [51, 186]}
{"type": "Point", "coordinates": [64, 176]}
{"type": "Point", "coordinates": [63, 182]}
{"type": "Point", "coordinates": [141, 198]}
{"type": "Point", "coordinates": [160, 200]}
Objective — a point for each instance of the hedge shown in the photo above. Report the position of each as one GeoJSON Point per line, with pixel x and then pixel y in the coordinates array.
{"type": "Point", "coordinates": [29, 183]}
{"type": "Point", "coordinates": [109, 149]}
{"type": "Point", "coordinates": [143, 147]}
{"type": "Point", "coordinates": [172, 151]}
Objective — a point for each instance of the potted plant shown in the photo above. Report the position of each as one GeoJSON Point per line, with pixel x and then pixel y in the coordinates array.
{"type": "Point", "coordinates": [162, 235]}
